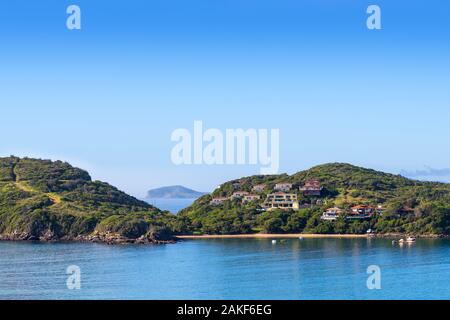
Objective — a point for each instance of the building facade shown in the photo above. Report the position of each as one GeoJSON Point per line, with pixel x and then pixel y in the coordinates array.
{"type": "Point", "coordinates": [312, 188]}
{"type": "Point", "coordinates": [283, 187]}
{"type": "Point", "coordinates": [281, 200]}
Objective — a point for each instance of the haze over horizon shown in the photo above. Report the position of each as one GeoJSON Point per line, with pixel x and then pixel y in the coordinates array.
{"type": "Point", "coordinates": [106, 98]}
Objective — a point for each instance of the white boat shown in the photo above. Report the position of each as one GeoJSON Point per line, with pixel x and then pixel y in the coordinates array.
{"type": "Point", "coordinates": [410, 239]}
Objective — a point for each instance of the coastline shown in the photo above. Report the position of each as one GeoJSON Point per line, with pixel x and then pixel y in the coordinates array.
{"type": "Point", "coordinates": [272, 236]}
{"type": "Point", "coordinates": [96, 237]}
{"type": "Point", "coordinates": [306, 235]}
{"type": "Point", "coordinates": [114, 239]}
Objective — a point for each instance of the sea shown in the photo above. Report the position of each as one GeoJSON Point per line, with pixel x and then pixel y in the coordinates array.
{"type": "Point", "coordinates": [172, 205]}
{"type": "Point", "coordinates": [293, 269]}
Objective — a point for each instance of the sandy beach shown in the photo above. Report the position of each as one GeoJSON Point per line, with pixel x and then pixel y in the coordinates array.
{"type": "Point", "coordinates": [273, 236]}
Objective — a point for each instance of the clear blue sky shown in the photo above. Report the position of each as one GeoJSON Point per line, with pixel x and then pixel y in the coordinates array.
{"type": "Point", "coordinates": [107, 97]}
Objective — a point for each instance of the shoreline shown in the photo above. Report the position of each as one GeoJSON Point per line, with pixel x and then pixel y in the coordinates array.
{"type": "Point", "coordinates": [102, 238]}
{"type": "Point", "coordinates": [119, 240]}
{"type": "Point", "coordinates": [272, 236]}
{"type": "Point", "coordinates": [305, 236]}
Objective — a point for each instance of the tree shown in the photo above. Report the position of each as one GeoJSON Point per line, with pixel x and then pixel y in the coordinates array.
{"type": "Point", "coordinates": [273, 225]}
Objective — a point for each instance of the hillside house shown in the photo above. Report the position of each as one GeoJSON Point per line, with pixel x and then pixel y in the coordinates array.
{"type": "Point", "coordinates": [283, 187]}
{"type": "Point", "coordinates": [361, 212]}
{"type": "Point", "coordinates": [332, 213]}
{"type": "Point", "coordinates": [251, 197]}
{"type": "Point", "coordinates": [237, 184]}
{"type": "Point", "coordinates": [239, 195]}
{"type": "Point", "coordinates": [312, 188]}
{"type": "Point", "coordinates": [281, 200]}
{"type": "Point", "coordinates": [217, 201]}
{"type": "Point", "coordinates": [259, 188]}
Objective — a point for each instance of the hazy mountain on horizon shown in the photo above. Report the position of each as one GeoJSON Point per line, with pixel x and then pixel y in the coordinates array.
{"type": "Point", "coordinates": [173, 192]}
{"type": "Point", "coordinates": [428, 174]}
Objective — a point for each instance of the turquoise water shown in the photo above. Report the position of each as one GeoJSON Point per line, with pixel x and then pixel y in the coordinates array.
{"type": "Point", "coordinates": [227, 269]}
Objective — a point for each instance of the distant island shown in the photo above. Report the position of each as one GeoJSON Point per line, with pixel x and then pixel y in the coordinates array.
{"type": "Point", "coordinates": [173, 192]}
{"type": "Point", "coordinates": [51, 201]}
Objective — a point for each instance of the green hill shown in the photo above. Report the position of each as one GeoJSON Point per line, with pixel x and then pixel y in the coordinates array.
{"type": "Point", "coordinates": [407, 206]}
{"type": "Point", "coordinates": [41, 199]}
{"type": "Point", "coordinates": [51, 200]}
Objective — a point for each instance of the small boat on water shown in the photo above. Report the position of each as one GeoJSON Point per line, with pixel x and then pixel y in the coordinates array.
{"type": "Point", "coordinates": [410, 239]}
{"type": "Point", "coordinates": [403, 241]}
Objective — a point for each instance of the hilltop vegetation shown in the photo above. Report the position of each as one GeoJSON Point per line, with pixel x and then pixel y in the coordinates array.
{"type": "Point", "coordinates": [409, 206]}
{"type": "Point", "coordinates": [42, 199]}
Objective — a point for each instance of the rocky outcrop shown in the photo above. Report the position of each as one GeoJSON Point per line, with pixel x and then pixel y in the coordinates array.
{"type": "Point", "coordinates": [95, 237]}
{"type": "Point", "coordinates": [115, 238]}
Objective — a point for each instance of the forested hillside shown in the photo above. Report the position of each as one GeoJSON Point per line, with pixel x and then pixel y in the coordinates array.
{"type": "Point", "coordinates": [42, 199]}
{"type": "Point", "coordinates": [407, 206]}
{"type": "Point", "coordinates": [52, 200]}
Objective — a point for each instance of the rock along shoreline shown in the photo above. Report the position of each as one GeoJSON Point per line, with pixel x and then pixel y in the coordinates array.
{"type": "Point", "coordinates": [96, 237]}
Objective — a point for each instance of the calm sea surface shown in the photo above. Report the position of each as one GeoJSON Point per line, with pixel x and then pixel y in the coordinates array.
{"type": "Point", "coordinates": [172, 205]}
{"type": "Point", "coordinates": [227, 269]}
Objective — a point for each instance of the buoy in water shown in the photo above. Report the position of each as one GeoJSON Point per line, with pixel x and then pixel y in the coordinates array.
{"type": "Point", "coordinates": [274, 241]}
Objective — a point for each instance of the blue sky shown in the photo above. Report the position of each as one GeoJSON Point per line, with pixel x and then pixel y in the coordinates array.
{"type": "Point", "coordinates": [107, 97]}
